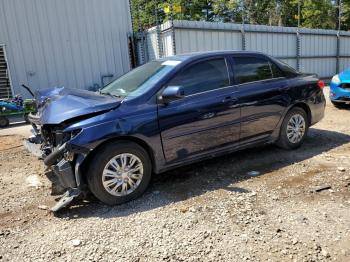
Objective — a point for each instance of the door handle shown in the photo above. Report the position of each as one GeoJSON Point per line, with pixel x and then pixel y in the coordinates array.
{"type": "Point", "coordinates": [208, 115]}
{"type": "Point", "coordinates": [229, 99]}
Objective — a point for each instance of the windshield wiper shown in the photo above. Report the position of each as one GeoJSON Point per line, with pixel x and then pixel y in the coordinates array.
{"type": "Point", "coordinates": [109, 94]}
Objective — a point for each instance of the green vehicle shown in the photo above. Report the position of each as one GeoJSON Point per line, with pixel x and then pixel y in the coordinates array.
{"type": "Point", "coordinates": [15, 108]}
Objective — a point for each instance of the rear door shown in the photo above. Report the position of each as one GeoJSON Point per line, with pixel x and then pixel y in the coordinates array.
{"type": "Point", "coordinates": [207, 117]}
{"type": "Point", "coordinates": [262, 95]}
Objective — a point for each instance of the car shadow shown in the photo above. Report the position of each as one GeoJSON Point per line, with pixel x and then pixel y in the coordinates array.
{"type": "Point", "coordinates": [217, 173]}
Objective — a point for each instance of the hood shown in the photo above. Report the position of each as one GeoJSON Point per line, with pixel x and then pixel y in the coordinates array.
{"type": "Point", "coordinates": [56, 105]}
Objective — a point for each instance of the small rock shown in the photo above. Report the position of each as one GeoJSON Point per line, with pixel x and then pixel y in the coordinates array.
{"type": "Point", "coordinates": [325, 253]}
{"type": "Point", "coordinates": [76, 242]}
{"type": "Point", "coordinates": [284, 252]}
{"type": "Point", "coordinates": [321, 188]}
{"type": "Point", "coordinates": [252, 194]}
{"type": "Point", "coordinates": [275, 197]}
{"type": "Point", "coordinates": [43, 207]}
{"type": "Point", "coordinates": [192, 209]}
{"type": "Point", "coordinates": [33, 181]}
{"type": "Point", "coordinates": [341, 169]}
{"type": "Point", "coordinates": [183, 209]}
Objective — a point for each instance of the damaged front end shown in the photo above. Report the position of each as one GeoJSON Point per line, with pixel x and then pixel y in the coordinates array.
{"type": "Point", "coordinates": [64, 159]}
{"type": "Point", "coordinates": [53, 135]}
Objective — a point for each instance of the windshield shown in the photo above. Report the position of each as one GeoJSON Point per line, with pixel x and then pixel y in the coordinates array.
{"type": "Point", "coordinates": [139, 80]}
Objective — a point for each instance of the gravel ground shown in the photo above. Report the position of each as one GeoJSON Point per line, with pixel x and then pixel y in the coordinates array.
{"type": "Point", "coordinates": [296, 208]}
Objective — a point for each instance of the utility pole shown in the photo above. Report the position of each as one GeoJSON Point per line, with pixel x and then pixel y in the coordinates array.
{"type": "Point", "coordinates": [338, 35]}
{"type": "Point", "coordinates": [338, 15]}
{"type": "Point", "coordinates": [298, 13]}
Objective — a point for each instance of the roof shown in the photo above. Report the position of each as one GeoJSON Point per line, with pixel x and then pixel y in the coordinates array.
{"type": "Point", "coordinates": [203, 54]}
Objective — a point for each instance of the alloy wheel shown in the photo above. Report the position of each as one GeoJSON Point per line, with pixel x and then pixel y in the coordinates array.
{"type": "Point", "coordinates": [122, 174]}
{"type": "Point", "coordinates": [296, 128]}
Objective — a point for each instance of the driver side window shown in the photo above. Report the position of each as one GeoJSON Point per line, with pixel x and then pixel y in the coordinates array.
{"type": "Point", "coordinates": [202, 76]}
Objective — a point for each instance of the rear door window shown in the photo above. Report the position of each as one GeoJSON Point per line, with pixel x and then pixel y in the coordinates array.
{"type": "Point", "coordinates": [203, 76]}
{"type": "Point", "coordinates": [251, 69]}
{"type": "Point", "coordinates": [276, 71]}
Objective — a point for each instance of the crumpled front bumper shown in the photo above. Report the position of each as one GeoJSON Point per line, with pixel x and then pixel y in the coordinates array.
{"type": "Point", "coordinates": [67, 171]}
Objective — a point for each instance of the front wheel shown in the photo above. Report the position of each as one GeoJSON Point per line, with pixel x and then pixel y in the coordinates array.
{"type": "Point", "coordinates": [294, 129]}
{"type": "Point", "coordinates": [119, 172]}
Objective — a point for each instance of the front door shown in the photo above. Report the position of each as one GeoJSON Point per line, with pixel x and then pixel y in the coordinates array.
{"type": "Point", "coordinates": [206, 118]}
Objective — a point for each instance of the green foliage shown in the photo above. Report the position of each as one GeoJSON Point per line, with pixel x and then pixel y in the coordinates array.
{"type": "Point", "coordinates": [319, 14]}
{"type": "Point", "coordinates": [313, 14]}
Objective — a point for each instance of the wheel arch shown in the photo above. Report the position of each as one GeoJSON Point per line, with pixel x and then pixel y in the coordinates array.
{"type": "Point", "coordinates": [132, 139]}
{"type": "Point", "coordinates": [303, 106]}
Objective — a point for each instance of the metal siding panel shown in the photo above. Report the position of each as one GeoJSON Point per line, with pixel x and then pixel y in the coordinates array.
{"type": "Point", "coordinates": [10, 37]}
{"type": "Point", "coordinates": [315, 45]}
{"type": "Point", "coordinates": [344, 63]}
{"type": "Point", "coordinates": [64, 43]}
{"type": "Point", "coordinates": [41, 72]}
{"type": "Point", "coordinates": [345, 45]}
{"type": "Point", "coordinates": [291, 62]}
{"type": "Point", "coordinates": [43, 25]}
{"type": "Point", "coordinates": [324, 67]}
{"type": "Point", "coordinates": [152, 45]}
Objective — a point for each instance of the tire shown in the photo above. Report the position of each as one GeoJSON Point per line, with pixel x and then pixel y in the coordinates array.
{"type": "Point", "coordinates": [284, 141]}
{"type": "Point", "coordinates": [4, 121]}
{"type": "Point", "coordinates": [26, 118]}
{"type": "Point", "coordinates": [104, 157]}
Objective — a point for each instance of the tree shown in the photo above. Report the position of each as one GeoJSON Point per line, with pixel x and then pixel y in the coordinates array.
{"type": "Point", "coordinates": [345, 15]}
{"type": "Point", "coordinates": [319, 14]}
{"type": "Point", "coordinates": [289, 12]}
{"type": "Point", "coordinates": [227, 11]}
{"type": "Point", "coordinates": [314, 14]}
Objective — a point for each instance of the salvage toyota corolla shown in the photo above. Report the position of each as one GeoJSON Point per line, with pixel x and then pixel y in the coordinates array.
{"type": "Point", "coordinates": [168, 113]}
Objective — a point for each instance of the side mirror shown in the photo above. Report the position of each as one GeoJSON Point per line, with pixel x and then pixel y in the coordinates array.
{"type": "Point", "coordinates": [172, 93]}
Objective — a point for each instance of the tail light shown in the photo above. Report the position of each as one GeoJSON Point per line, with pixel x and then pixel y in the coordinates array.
{"type": "Point", "coordinates": [321, 84]}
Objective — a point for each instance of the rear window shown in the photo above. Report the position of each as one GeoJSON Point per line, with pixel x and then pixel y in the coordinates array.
{"type": "Point", "coordinates": [250, 69]}
{"type": "Point", "coordinates": [288, 71]}
{"type": "Point", "coordinates": [276, 71]}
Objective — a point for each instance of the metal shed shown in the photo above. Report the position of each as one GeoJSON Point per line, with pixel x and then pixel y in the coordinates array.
{"type": "Point", "coordinates": [71, 43]}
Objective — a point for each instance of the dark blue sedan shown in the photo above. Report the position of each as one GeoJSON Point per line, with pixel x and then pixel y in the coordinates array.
{"type": "Point", "coordinates": [169, 113]}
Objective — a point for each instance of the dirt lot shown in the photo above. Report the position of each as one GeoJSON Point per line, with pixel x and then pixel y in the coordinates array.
{"type": "Point", "coordinates": [211, 211]}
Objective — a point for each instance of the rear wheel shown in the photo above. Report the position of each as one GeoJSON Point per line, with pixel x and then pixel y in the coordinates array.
{"type": "Point", "coordinates": [119, 172]}
{"type": "Point", "coordinates": [294, 129]}
{"type": "Point", "coordinates": [4, 121]}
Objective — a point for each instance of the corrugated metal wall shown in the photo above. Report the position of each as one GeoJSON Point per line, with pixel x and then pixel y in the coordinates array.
{"type": "Point", "coordinates": [308, 50]}
{"type": "Point", "coordinates": [69, 43]}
